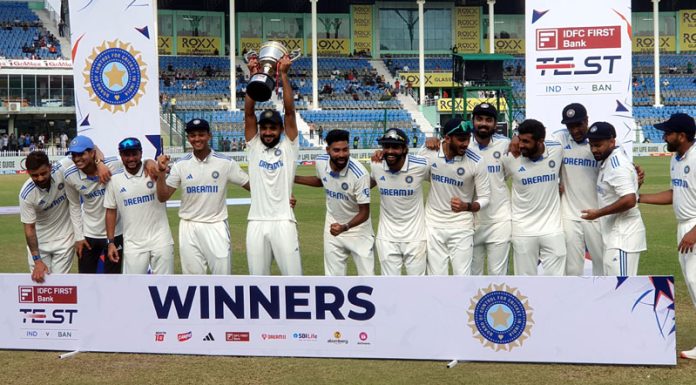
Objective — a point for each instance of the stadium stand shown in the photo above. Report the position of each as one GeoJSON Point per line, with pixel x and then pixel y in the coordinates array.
{"type": "Point", "coordinates": [22, 35]}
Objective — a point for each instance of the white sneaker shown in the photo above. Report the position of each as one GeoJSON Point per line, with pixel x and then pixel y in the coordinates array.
{"type": "Point", "coordinates": [690, 354]}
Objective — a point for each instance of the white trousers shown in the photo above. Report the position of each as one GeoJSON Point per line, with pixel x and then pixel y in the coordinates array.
{"type": "Point", "coordinates": [450, 245]}
{"type": "Point", "coordinates": [549, 249]}
{"type": "Point", "coordinates": [492, 242]}
{"type": "Point", "coordinates": [338, 249]}
{"type": "Point", "coordinates": [581, 235]}
{"type": "Point", "coordinates": [267, 240]}
{"type": "Point", "coordinates": [161, 260]}
{"type": "Point", "coordinates": [395, 255]}
{"type": "Point", "coordinates": [58, 261]}
{"type": "Point", "coordinates": [688, 260]}
{"type": "Point", "coordinates": [205, 246]}
{"type": "Point", "coordinates": [621, 263]}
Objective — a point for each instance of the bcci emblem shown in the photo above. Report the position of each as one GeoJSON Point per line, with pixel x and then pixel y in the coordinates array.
{"type": "Point", "coordinates": [60, 186]}
{"type": "Point", "coordinates": [150, 184]}
{"type": "Point", "coordinates": [496, 155]}
{"type": "Point", "coordinates": [570, 113]}
{"type": "Point", "coordinates": [460, 171]}
{"type": "Point", "coordinates": [344, 186]}
{"type": "Point", "coordinates": [409, 179]}
{"type": "Point", "coordinates": [687, 169]}
{"type": "Point", "coordinates": [215, 174]}
{"type": "Point", "coordinates": [500, 317]}
{"type": "Point", "coordinates": [552, 164]}
{"type": "Point", "coordinates": [115, 76]}
{"type": "Point", "coordinates": [277, 152]}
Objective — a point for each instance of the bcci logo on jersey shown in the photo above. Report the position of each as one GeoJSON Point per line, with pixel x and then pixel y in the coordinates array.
{"type": "Point", "coordinates": [115, 76]}
{"type": "Point", "coordinates": [500, 317]}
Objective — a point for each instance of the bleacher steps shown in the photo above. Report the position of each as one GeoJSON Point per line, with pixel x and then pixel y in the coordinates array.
{"type": "Point", "coordinates": [52, 26]}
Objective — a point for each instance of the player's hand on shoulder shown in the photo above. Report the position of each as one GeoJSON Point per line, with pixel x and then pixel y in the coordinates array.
{"type": "Point", "coordinates": [151, 169]}
{"type": "Point", "coordinates": [377, 156]}
{"type": "Point", "coordinates": [103, 173]}
{"type": "Point", "coordinates": [163, 163]}
{"type": "Point", "coordinates": [514, 147]}
{"type": "Point", "coordinates": [432, 143]}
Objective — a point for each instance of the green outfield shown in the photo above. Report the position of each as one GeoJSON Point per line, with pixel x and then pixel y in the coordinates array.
{"type": "Point", "coordinates": [21, 367]}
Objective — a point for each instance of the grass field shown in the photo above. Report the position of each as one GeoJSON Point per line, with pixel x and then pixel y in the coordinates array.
{"type": "Point", "coordinates": [23, 367]}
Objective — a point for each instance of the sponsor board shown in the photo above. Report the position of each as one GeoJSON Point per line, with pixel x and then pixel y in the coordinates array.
{"type": "Point", "coordinates": [467, 29]}
{"type": "Point", "coordinates": [445, 104]}
{"type": "Point", "coordinates": [197, 45]}
{"type": "Point", "coordinates": [432, 79]}
{"type": "Point", "coordinates": [362, 28]}
{"type": "Point", "coordinates": [687, 29]}
{"type": "Point", "coordinates": [165, 45]}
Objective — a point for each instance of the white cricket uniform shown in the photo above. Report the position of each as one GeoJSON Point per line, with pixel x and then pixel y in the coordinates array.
{"type": "Point", "coordinates": [450, 234]}
{"type": "Point", "coordinates": [345, 190]}
{"type": "Point", "coordinates": [401, 234]}
{"type": "Point", "coordinates": [624, 233]}
{"type": "Point", "coordinates": [578, 173]}
{"type": "Point", "coordinates": [92, 193]}
{"type": "Point", "coordinates": [272, 229]}
{"type": "Point", "coordinates": [536, 211]}
{"type": "Point", "coordinates": [684, 204]}
{"type": "Point", "coordinates": [492, 227]}
{"type": "Point", "coordinates": [57, 218]}
{"type": "Point", "coordinates": [204, 235]}
{"type": "Point", "coordinates": [147, 239]}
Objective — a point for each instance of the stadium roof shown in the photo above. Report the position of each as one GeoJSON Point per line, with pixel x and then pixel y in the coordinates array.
{"type": "Point", "coordinates": [343, 6]}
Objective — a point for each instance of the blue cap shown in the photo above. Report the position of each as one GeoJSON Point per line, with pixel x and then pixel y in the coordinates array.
{"type": "Point", "coordinates": [130, 144]}
{"type": "Point", "coordinates": [80, 144]}
{"type": "Point", "coordinates": [600, 131]}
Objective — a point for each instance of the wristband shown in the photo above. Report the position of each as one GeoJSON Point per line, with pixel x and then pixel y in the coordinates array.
{"type": "Point", "coordinates": [36, 257]}
{"type": "Point", "coordinates": [109, 241]}
{"type": "Point", "coordinates": [346, 227]}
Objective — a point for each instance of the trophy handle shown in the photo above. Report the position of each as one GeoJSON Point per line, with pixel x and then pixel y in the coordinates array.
{"type": "Point", "coordinates": [295, 54]}
{"type": "Point", "coordinates": [249, 55]}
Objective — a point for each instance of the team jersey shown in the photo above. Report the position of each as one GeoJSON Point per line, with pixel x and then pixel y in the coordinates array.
{"type": "Point", "coordinates": [143, 216]}
{"type": "Point", "coordinates": [683, 183]}
{"type": "Point", "coordinates": [54, 211]}
{"type": "Point", "coordinates": [203, 185]}
{"type": "Point", "coordinates": [617, 178]}
{"type": "Point", "coordinates": [92, 195]}
{"type": "Point", "coordinates": [272, 174]}
{"type": "Point", "coordinates": [463, 177]}
{"type": "Point", "coordinates": [345, 190]}
{"type": "Point", "coordinates": [536, 202]}
{"type": "Point", "coordinates": [401, 213]}
{"type": "Point", "coordinates": [498, 208]}
{"type": "Point", "coordinates": [578, 173]}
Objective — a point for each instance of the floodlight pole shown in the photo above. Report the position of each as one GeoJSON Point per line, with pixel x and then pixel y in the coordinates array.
{"type": "Point", "coordinates": [421, 53]}
{"type": "Point", "coordinates": [315, 72]}
{"type": "Point", "coordinates": [656, 52]}
{"type": "Point", "coordinates": [233, 66]}
{"type": "Point", "coordinates": [491, 25]}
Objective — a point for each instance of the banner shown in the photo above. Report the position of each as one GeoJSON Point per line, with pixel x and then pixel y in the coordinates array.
{"type": "Point", "coordinates": [198, 45]}
{"type": "Point", "coordinates": [580, 52]}
{"type": "Point", "coordinates": [432, 79]}
{"type": "Point", "coordinates": [330, 47]}
{"type": "Point", "coordinates": [115, 65]}
{"type": "Point", "coordinates": [506, 46]}
{"type": "Point", "coordinates": [646, 44]}
{"type": "Point", "coordinates": [362, 28]}
{"type": "Point", "coordinates": [26, 63]}
{"type": "Point", "coordinates": [250, 43]}
{"type": "Point", "coordinates": [164, 45]}
{"type": "Point", "coordinates": [291, 43]}
{"type": "Point", "coordinates": [515, 319]}
{"type": "Point", "coordinates": [445, 104]}
{"type": "Point", "coordinates": [687, 29]}
{"type": "Point", "coordinates": [467, 29]}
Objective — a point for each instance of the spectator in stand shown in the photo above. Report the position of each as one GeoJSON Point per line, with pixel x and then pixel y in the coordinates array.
{"type": "Point", "coordinates": [397, 86]}
{"type": "Point", "coordinates": [63, 140]}
{"type": "Point", "coordinates": [321, 135]}
{"type": "Point", "coordinates": [5, 142]}
{"type": "Point", "coordinates": [13, 142]}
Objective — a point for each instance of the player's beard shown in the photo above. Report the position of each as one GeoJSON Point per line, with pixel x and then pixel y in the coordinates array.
{"type": "Point", "coordinates": [339, 161]}
{"type": "Point", "coordinates": [672, 147]}
{"type": "Point", "coordinates": [528, 153]}
{"type": "Point", "coordinates": [489, 131]}
{"type": "Point", "coordinates": [135, 169]}
{"type": "Point", "coordinates": [271, 144]}
{"type": "Point", "coordinates": [455, 150]}
{"type": "Point", "coordinates": [393, 160]}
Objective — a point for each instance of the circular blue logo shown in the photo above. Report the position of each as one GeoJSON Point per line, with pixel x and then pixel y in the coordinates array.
{"type": "Point", "coordinates": [500, 317]}
{"type": "Point", "coordinates": [278, 152]}
{"type": "Point", "coordinates": [115, 76]}
{"type": "Point", "coordinates": [460, 171]}
{"type": "Point", "coordinates": [344, 186]}
{"type": "Point", "coordinates": [687, 169]}
{"type": "Point", "coordinates": [60, 186]}
{"type": "Point", "coordinates": [150, 184]}
{"type": "Point", "coordinates": [552, 164]}
{"type": "Point", "coordinates": [216, 174]}
{"type": "Point", "coordinates": [496, 154]}
{"type": "Point", "coordinates": [409, 179]}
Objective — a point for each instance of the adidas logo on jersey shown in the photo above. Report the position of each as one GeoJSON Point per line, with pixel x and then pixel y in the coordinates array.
{"type": "Point", "coordinates": [522, 169]}
{"type": "Point", "coordinates": [123, 189]}
{"type": "Point", "coordinates": [83, 187]}
{"type": "Point", "coordinates": [189, 176]}
{"type": "Point", "coordinates": [567, 147]}
{"type": "Point", "coordinates": [382, 178]}
{"type": "Point", "coordinates": [209, 337]}
{"type": "Point", "coordinates": [434, 165]}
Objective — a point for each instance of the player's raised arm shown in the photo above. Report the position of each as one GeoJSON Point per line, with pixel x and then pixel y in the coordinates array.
{"type": "Point", "coordinates": [250, 105]}
{"type": "Point", "coordinates": [288, 101]}
{"type": "Point", "coordinates": [164, 190]}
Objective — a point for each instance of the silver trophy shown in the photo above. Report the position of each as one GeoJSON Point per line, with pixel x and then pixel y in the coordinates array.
{"type": "Point", "coordinates": [262, 83]}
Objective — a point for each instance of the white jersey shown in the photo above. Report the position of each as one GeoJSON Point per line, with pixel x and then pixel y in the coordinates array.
{"type": "Point", "coordinates": [683, 182]}
{"type": "Point", "coordinates": [536, 201]}
{"type": "Point", "coordinates": [204, 185]}
{"type": "Point", "coordinates": [144, 217]}
{"type": "Point", "coordinates": [272, 175]}
{"type": "Point", "coordinates": [617, 178]}
{"type": "Point", "coordinates": [55, 211]}
{"type": "Point", "coordinates": [401, 211]}
{"type": "Point", "coordinates": [578, 173]}
{"type": "Point", "coordinates": [92, 193]}
{"type": "Point", "coordinates": [498, 208]}
{"type": "Point", "coordinates": [463, 177]}
{"type": "Point", "coordinates": [345, 190]}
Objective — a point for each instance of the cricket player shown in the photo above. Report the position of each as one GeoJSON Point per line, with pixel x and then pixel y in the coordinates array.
{"type": "Point", "coordinates": [492, 231]}
{"type": "Point", "coordinates": [272, 229]}
{"type": "Point", "coordinates": [348, 228]}
{"type": "Point", "coordinates": [578, 173]}
{"type": "Point", "coordinates": [82, 178]}
{"type": "Point", "coordinates": [537, 232]}
{"type": "Point", "coordinates": [459, 187]}
{"type": "Point", "coordinates": [203, 175]}
{"type": "Point", "coordinates": [147, 239]}
{"type": "Point", "coordinates": [51, 220]}
{"type": "Point", "coordinates": [401, 235]}
{"type": "Point", "coordinates": [679, 133]}
{"type": "Point", "coordinates": [617, 196]}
